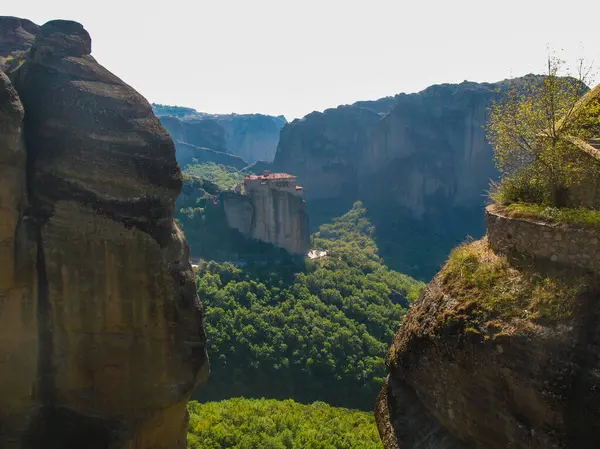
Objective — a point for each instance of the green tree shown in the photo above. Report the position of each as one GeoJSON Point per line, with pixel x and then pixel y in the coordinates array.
{"type": "Point", "coordinates": [532, 129]}
{"type": "Point", "coordinates": [249, 424]}
{"type": "Point", "coordinates": [315, 331]}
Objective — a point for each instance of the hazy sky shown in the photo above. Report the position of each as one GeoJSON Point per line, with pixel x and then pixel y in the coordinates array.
{"type": "Point", "coordinates": [293, 57]}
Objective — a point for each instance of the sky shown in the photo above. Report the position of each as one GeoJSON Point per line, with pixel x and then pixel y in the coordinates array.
{"type": "Point", "coordinates": [290, 58]}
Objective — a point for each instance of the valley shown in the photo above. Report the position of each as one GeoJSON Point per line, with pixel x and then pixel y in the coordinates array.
{"type": "Point", "coordinates": [419, 271]}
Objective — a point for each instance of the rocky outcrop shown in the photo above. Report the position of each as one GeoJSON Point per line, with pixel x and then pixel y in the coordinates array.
{"type": "Point", "coordinates": [501, 351]}
{"type": "Point", "coordinates": [16, 37]}
{"type": "Point", "coordinates": [271, 216]}
{"type": "Point", "coordinates": [102, 337]}
{"type": "Point", "coordinates": [18, 339]}
{"type": "Point", "coordinates": [252, 137]}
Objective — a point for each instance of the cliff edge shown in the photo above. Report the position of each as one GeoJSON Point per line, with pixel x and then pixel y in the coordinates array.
{"type": "Point", "coordinates": [272, 210]}
{"type": "Point", "coordinates": [102, 337]}
{"type": "Point", "coordinates": [503, 348]}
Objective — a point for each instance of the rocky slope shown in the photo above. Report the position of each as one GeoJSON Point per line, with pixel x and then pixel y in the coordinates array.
{"type": "Point", "coordinates": [499, 352]}
{"type": "Point", "coordinates": [419, 162]}
{"type": "Point", "coordinates": [252, 137]}
{"type": "Point", "coordinates": [102, 338]}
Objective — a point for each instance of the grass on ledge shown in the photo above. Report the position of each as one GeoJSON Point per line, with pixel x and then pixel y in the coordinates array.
{"type": "Point", "coordinates": [476, 276]}
{"type": "Point", "coordinates": [582, 217]}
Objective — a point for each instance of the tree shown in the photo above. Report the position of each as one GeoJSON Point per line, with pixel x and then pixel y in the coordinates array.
{"type": "Point", "coordinates": [532, 129]}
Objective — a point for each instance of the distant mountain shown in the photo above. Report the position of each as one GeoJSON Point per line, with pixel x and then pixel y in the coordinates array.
{"type": "Point", "coordinates": [419, 162]}
{"type": "Point", "coordinates": [189, 154]}
{"type": "Point", "coordinates": [252, 137]}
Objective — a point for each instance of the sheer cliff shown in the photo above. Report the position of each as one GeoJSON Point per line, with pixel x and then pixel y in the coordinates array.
{"type": "Point", "coordinates": [251, 137]}
{"type": "Point", "coordinates": [419, 162]}
{"type": "Point", "coordinates": [503, 348]}
{"type": "Point", "coordinates": [271, 216]}
{"type": "Point", "coordinates": [102, 336]}
{"type": "Point", "coordinates": [16, 37]}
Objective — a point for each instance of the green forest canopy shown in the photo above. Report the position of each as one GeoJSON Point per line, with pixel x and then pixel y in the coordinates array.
{"type": "Point", "coordinates": [224, 176]}
{"type": "Point", "coordinates": [270, 424]}
{"type": "Point", "coordinates": [310, 331]}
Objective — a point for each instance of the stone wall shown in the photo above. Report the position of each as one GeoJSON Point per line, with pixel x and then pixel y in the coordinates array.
{"type": "Point", "coordinates": [558, 243]}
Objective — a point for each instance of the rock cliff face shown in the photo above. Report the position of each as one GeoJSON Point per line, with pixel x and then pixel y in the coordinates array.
{"type": "Point", "coordinates": [417, 161]}
{"type": "Point", "coordinates": [325, 150]}
{"type": "Point", "coordinates": [252, 137]}
{"type": "Point", "coordinates": [102, 338]}
{"type": "Point", "coordinates": [189, 154]}
{"type": "Point", "coordinates": [271, 216]}
{"type": "Point", "coordinates": [430, 146]}
{"type": "Point", "coordinates": [16, 37]}
{"type": "Point", "coordinates": [501, 351]}
{"type": "Point", "coordinates": [199, 133]}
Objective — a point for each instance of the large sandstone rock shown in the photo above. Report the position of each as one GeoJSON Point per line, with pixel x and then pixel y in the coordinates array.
{"type": "Point", "coordinates": [108, 324]}
{"type": "Point", "coordinates": [18, 311]}
{"type": "Point", "coordinates": [271, 216]}
{"type": "Point", "coordinates": [466, 376]}
{"type": "Point", "coordinates": [16, 36]}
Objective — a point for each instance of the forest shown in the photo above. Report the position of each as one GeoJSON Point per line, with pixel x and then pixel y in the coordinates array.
{"type": "Point", "coordinates": [269, 424]}
{"type": "Point", "coordinates": [315, 330]}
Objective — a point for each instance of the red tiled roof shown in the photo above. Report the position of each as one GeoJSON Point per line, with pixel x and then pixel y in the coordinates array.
{"type": "Point", "coordinates": [272, 176]}
{"type": "Point", "coordinates": [279, 176]}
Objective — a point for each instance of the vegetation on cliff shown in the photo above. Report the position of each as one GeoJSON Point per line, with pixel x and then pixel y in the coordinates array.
{"type": "Point", "coordinates": [580, 216]}
{"type": "Point", "coordinates": [491, 287]}
{"type": "Point", "coordinates": [309, 331]}
{"type": "Point", "coordinates": [225, 177]}
{"type": "Point", "coordinates": [540, 131]}
{"type": "Point", "coordinates": [270, 424]}
{"type": "Point", "coordinates": [200, 214]}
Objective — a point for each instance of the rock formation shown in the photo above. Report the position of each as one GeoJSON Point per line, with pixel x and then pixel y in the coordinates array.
{"type": "Point", "coordinates": [199, 133]}
{"type": "Point", "coordinates": [428, 145]}
{"type": "Point", "coordinates": [503, 348]}
{"type": "Point", "coordinates": [271, 211]}
{"type": "Point", "coordinates": [16, 37]}
{"type": "Point", "coordinates": [252, 137]}
{"type": "Point", "coordinates": [102, 338]}
{"type": "Point", "coordinates": [419, 163]}
{"type": "Point", "coordinates": [189, 154]}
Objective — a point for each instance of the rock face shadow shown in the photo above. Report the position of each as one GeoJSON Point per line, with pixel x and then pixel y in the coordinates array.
{"type": "Point", "coordinates": [104, 328]}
